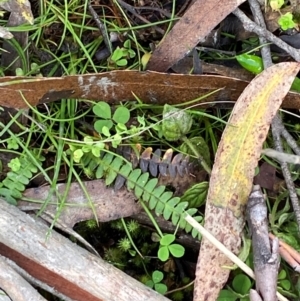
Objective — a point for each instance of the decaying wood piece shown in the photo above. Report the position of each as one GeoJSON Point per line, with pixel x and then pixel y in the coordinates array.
{"type": "Point", "coordinates": [34, 282]}
{"type": "Point", "coordinates": [265, 253]}
{"type": "Point", "coordinates": [17, 288]}
{"type": "Point", "coordinates": [63, 265]}
{"type": "Point", "coordinates": [109, 204]}
{"type": "Point", "coordinates": [3, 296]}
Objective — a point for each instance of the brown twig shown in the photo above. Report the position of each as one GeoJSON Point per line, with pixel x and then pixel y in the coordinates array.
{"type": "Point", "coordinates": [160, 10]}
{"type": "Point", "coordinates": [288, 137]}
{"type": "Point", "coordinates": [101, 27]}
{"type": "Point", "coordinates": [289, 254]}
{"type": "Point", "coordinates": [132, 10]}
{"type": "Point", "coordinates": [262, 32]}
{"type": "Point", "coordinates": [277, 125]}
{"type": "Point", "coordinates": [265, 255]}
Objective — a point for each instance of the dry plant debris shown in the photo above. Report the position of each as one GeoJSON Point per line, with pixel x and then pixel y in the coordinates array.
{"type": "Point", "coordinates": [238, 151]}
{"type": "Point", "coordinates": [233, 172]}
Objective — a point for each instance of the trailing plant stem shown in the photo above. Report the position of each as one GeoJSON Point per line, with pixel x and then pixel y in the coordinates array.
{"type": "Point", "coordinates": [151, 218]}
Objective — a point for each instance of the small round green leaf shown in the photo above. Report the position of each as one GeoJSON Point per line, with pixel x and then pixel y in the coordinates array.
{"type": "Point", "coordinates": [121, 115]}
{"type": "Point", "coordinates": [149, 283]}
{"type": "Point", "coordinates": [167, 239]}
{"type": "Point", "coordinates": [127, 44]}
{"type": "Point", "coordinates": [96, 151]}
{"type": "Point", "coordinates": [131, 53]}
{"type": "Point", "coordinates": [102, 109]}
{"type": "Point", "coordinates": [226, 295]}
{"type": "Point", "coordinates": [105, 131]}
{"type": "Point", "coordinates": [122, 63]}
{"type": "Point", "coordinates": [77, 155]}
{"type": "Point", "coordinates": [176, 250]}
{"type": "Point", "coordinates": [241, 284]}
{"type": "Point", "coordinates": [157, 276]}
{"type": "Point", "coordinates": [117, 54]}
{"type": "Point", "coordinates": [163, 253]}
{"type": "Point", "coordinates": [100, 124]}
{"type": "Point", "coordinates": [285, 284]}
{"type": "Point", "coordinates": [281, 275]}
{"type": "Point", "coordinates": [121, 128]}
{"type": "Point", "coordinates": [161, 288]}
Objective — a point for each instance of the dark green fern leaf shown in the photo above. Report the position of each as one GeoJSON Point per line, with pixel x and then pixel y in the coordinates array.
{"type": "Point", "coordinates": [114, 168]}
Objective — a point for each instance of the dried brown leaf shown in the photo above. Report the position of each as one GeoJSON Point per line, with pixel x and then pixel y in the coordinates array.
{"type": "Point", "coordinates": [198, 21]}
{"type": "Point", "coordinates": [233, 172]}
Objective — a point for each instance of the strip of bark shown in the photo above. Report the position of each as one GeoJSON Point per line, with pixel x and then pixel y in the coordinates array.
{"type": "Point", "coordinates": [63, 265]}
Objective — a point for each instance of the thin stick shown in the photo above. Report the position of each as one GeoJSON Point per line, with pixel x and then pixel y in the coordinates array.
{"type": "Point", "coordinates": [262, 32]}
{"type": "Point", "coordinates": [132, 10]}
{"type": "Point", "coordinates": [101, 27]}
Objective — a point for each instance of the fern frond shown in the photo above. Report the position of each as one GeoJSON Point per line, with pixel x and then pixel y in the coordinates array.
{"type": "Point", "coordinates": [113, 167]}
{"type": "Point", "coordinates": [14, 184]}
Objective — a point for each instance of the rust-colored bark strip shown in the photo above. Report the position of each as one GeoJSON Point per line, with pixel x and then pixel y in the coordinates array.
{"type": "Point", "coordinates": [62, 264]}
{"type": "Point", "coordinates": [55, 280]}
{"type": "Point", "coordinates": [14, 285]}
{"type": "Point", "coordinates": [116, 86]}
{"type": "Point", "coordinates": [198, 21]}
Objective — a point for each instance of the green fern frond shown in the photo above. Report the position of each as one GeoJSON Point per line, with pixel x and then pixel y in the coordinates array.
{"type": "Point", "coordinates": [14, 184]}
{"type": "Point", "coordinates": [112, 166]}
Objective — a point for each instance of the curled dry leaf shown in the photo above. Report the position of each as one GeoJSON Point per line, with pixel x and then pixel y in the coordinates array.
{"type": "Point", "coordinates": [233, 172]}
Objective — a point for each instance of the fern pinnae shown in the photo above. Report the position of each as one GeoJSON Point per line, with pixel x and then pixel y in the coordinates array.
{"type": "Point", "coordinates": [14, 184]}
{"type": "Point", "coordinates": [113, 167]}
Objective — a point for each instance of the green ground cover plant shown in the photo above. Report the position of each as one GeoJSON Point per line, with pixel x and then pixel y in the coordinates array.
{"type": "Point", "coordinates": [76, 140]}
